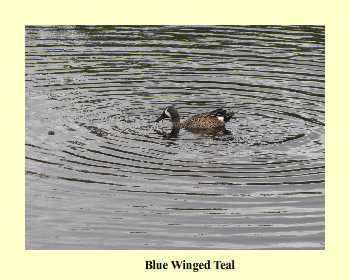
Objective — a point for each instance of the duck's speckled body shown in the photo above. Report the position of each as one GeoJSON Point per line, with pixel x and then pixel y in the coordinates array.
{"type": "Point", "coordinates": [214, 120]}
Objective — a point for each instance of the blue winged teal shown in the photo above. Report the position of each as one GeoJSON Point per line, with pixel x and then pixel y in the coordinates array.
{"type": "Point", "coordinates": [213, 120]}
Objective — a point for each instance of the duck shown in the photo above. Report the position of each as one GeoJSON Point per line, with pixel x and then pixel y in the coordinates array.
{"type": "Point", "coordinates": [212, 121]}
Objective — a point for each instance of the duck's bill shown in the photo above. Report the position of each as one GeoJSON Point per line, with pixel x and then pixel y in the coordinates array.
{"type": "Point", "coordinates": [159, 119]}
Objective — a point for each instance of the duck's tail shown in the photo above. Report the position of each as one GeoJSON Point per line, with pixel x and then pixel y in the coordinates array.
{"type": "Point", "coordinates": [222, 113]}
{"type": "Point", "coordinates": [228, 116]}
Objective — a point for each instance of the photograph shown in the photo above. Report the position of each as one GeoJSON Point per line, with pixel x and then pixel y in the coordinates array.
{"type": "Point", "coordinates": [175, 137]}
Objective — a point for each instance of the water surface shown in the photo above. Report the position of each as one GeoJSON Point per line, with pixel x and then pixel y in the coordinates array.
{"type": "Point", "coordinates": [98, 176]}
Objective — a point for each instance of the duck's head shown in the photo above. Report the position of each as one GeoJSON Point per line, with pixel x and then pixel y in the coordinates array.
{"type": "Point", "coordinates": [169, 113]}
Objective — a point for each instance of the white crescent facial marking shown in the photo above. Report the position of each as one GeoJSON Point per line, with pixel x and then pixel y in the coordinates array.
{"type": "Point", "coordinates": [167, 113]}
{"type": "Point", "coordinates": [221, 119]}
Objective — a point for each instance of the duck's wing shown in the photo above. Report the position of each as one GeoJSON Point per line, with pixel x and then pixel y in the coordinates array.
{"type": "Point", "coordinates": [209, 119]}
{"type": "Point", "coordinates": [215, 113]}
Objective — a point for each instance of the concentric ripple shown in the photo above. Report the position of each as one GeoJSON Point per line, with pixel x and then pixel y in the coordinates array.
{"type": "Point", "coordinates": [99, 176]}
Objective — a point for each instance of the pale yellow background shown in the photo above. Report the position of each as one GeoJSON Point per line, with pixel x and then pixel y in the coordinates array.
{"type": "Point", "coordinates": [16, 263]}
